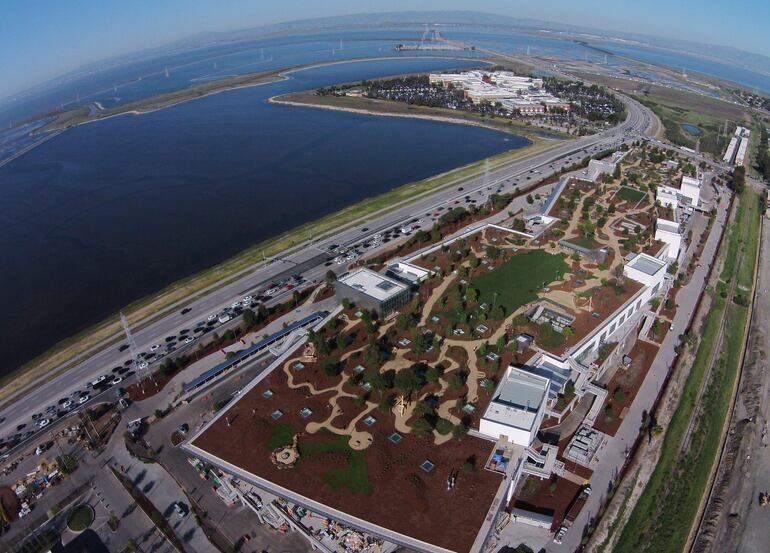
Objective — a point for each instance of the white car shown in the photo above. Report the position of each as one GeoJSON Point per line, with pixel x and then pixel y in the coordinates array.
{"type": "Point", "coordinates": [189, 340]}
{"type": "Point", "coordinates": [99, 380]}
{"type": "Point", "coordinates": [143, 365]}
{"type": "Point", "coordinates": [247, 299]}
{"type": "Point", "coordinates": [83, 399]}
{"type": "Point", "coordinates": [271, 291]}
{"type": "Point", "coordinates": [155, 347]}
{"type": "Point", "coordinates": [42, 423]}
{"type": "Point", "coordinates": [223, 318]}
{"type": "Point", "coordinates": [69, 404]}
{"type": "Point", "coordinates": [211, 318]}
{"type": "Point", "coordinates": [236, 304]}
{"type": "Point", "coordinates": [117, 380]}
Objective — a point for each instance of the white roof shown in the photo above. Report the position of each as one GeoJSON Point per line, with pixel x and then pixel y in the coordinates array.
{"type": "Point", "coordinates": [373, 284]}
{"type": "Point", "coordinates": [646, 264]}
{"type": "Point", "coordinates": [689, 181]}
{"type": "Point", "coordinates": [518, 399]}
{"type": "Point", "coordinates": [666, 225]}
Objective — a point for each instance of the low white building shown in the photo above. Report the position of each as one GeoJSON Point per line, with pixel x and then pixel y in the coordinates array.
{"type": "Point", "coordinates": [668, 232]}
{"type": "Point", "coordinates": [667, 196]}
{"type": "Point", "coordinates": [688, 193]}
{"type": "Point", "coordinates": [646, 269]}
{"type": "Point", "coordinates": [597, 168]}
{"type": "Point", "coordinates": [649, 271]}
{"type": "Point", "coordinates": [690, 189]}
{"type": "Point", "coordinates": [517, 407]}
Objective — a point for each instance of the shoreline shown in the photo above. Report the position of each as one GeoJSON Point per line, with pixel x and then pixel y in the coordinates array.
{"type": "Point", "coordinates": [424, 116]}
{"type": "Point", "coordinates": [67, 353]}
{"type": "Point", "coordinates": [78, 116]}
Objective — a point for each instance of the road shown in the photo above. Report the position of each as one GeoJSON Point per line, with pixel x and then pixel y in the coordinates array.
{"type": "Point", "coordinates": [309, 259]}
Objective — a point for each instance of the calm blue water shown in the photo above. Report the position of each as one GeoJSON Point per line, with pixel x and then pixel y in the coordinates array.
{"type": "Point", "coordinates": [133, 81]}
{"type": "Point", "coordinates": [692, 129]}
{"type": "Point", "coordinates": [109, 212]}
{"type": "Point", "coordinates": [708, 67]}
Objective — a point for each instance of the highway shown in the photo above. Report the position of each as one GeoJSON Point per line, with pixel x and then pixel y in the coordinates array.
{"type": "Point", "coordinates": [310, 261]}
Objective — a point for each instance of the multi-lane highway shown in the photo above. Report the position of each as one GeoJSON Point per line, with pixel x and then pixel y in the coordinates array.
{"type": "Point", "coordinates": [311, 261]}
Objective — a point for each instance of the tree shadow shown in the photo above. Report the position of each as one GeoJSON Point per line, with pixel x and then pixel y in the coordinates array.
{"type": "Point", "coordinates": [140, 477]}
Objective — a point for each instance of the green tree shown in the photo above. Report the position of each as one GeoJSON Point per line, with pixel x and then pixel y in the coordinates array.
{"type": "Point", "coordinates": [459, 431]}
{"type": "Point", "coordinates": [443, 426]}
{"type": "Point", "coordinates": [408, 380]}
{"type": "Point", "coordinates": [332, 366]}
{"type": "Point", "coordinates": [421, 428]}
{"type": "Point", "coordinates": [423, 408]}
{"type": "Point", "coordinates": [331, 277]}
{"type": "Point", "coordinates": [249, 318]}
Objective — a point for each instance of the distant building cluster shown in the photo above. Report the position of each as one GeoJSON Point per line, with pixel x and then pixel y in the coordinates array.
{"type": "Point", "coordinates": [739, 145]}
{"type": "Point", "coordinates": [515, 93]}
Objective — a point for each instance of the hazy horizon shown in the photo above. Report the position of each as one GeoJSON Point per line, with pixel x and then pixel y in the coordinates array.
{"type": "Point", "coordinates": [99, 32]}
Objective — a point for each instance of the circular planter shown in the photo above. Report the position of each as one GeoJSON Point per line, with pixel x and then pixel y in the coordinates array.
{"type": "Point", "coordinates": [80, 518]}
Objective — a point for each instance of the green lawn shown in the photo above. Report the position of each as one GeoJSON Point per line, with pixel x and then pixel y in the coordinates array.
{"type": "Point", "coordinates": [630, 195]}
{"type": "Point", "coordinates": [354, 476]}
{"type": "Point", "coordinates": [282, 434]}
{"type": "Point", "coordinates": [516, 281]}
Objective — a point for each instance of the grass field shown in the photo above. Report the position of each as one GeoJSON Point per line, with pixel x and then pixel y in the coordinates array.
{"type": "Point", "coordinates": [515, 282]}
{"type": "Point", "coordinates": [677, 107]}
{"type": "Point", "coordinates": [663, 516]}
{"type": "Point", "coordinates": [630, 195]}
{"type": "Point", "coordinates": [354, 476]}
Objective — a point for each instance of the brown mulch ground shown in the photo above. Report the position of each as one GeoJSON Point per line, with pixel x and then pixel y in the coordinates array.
{"type": "Point", "coordinates": [405, 498]}
{"type": "Point", "coordinates": [544, 500]}
{"type": "Point", "coordinates": [628, 379]}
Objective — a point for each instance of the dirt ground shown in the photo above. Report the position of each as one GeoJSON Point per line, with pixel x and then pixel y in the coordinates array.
{"type": "Point", "coordinates": [404, 498]}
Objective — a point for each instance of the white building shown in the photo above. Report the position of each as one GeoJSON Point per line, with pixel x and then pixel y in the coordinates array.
{"type": "Point", "coordinates": [667, 196]}
{"type": "Point", "coordinates": [517, 407]}
{"type": "Point", "coordinates": [649, 271]}
{"type": "Point", "coordinates": [597, 168]}
{"type": "Point", "coordinates": [513, 92]}
{"type": "Point", "coordinates": [688, 193]}
{"type": "Point", "coordinates": [690, 188]}
{"type": "Point", "coordinates": [668, 232]}
{"type": "Point", "coordinates": [646, 269]}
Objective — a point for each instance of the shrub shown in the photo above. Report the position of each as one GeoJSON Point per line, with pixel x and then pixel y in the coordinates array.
{"type": "Point", "coordinates": [443, 426]}
{"type": "Point", "coordinates": [421, 428]}
{"type": "Point", "coordinates": [332, 367]}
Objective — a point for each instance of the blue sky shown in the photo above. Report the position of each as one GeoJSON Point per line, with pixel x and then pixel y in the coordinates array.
{"type": "Point", "coordinates": [42, 39]}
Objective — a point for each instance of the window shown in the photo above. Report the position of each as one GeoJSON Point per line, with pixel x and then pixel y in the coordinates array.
{"type": "Point", "coordinates": [385, 285]}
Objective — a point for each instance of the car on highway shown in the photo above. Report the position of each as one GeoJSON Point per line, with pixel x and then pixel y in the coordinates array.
{"type": "Point", "coordinates": [189, 340]}
{"type": "Point", "coordinates": [155, 347]}
{"type": "Point", "coordinates": [185, 311]}
{"type": "Point", "coordinates": [236, 304]}
{"type": "Point", "coordinates": [211, 318]}
{"type": "Point", "coordinates": [122, 348]}
{"type": "Point", "coordinates": [84, 398]}
{"type": "Point", "coordinates": [67, 405]}
{"type": "Point", "coordinates": [223, 318]}
{"type": "Point", "coordinates": [42, 423]}
{"type": "Point", "coordinates": [98, 381]}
